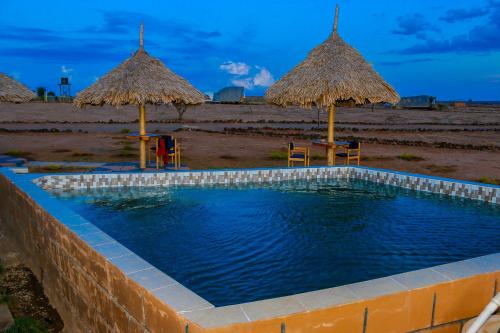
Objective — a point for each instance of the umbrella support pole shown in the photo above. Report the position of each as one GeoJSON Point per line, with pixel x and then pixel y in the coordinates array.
{"type": "Point", "coordinates": [142, 131]}
{"type": "Point", "coordinates": [331, 142]}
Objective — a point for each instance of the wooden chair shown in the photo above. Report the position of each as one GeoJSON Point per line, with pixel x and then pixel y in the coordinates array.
{"type": "Point", "coordinates": [297, 154]}
{"type": "Point", "coordinates": [173, 151]}
{"type": "Point", "coordinates": [351, 152]}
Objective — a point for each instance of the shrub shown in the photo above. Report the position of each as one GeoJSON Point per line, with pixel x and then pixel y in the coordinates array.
{"type": "Point", "coordinates": [317, 157]}
{"type": "Point", "coordinates": [61, 151]}
{"type": "Point", "coordinates": [442, 168]}
{"type": "Point", "coordinates": [228, 157]}
{"type": "Point", "coordinates": [410, 157]}
{"type": "Point", "coordinates": [278, 155]}
{"type": "Point", "coordinates": [81, 154]}
{"type": "Point", "coordinates": [125, 131]}
{"type": "Point", "coordinates": [127, 147]}
{"type": "Point", "coordinates": [52, 167]}
{"type": "Point", "coordinates": [18, 153]}
{"type": "Point", "coordinates": [376, 158]}
{"type": "Point", "coordinates": [26, 325]}
{"type": "Point", "coordinates": [125, 153]}
{"type": "Point", "coordinates": [487, 180]}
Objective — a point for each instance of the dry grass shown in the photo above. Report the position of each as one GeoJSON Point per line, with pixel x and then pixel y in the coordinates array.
{"type": "Point", "coordinates": [318, 157]}
{"type": "Point", "coordinates": [126, 153]}
{"type": "Point", "coordinates": [332, 72]}
{"type": "Point", "coordinates": [56, 168]}
{"type": "Point", "coordinates": [376, 158]}
{"type": "Point", "coordinates": [278, 156]}
{"type": "Point", "coordinates": [57, 151]}
{"type": "Point", "coordinates": [19, 153]}
{"type": "Point", "coordinates": [487, 180]}
{"type": "Point", "coordinates": [228, 157]}
{"type": "Point", "coordinates": [81, 154]}
{"type": "Point", "coordinates": [13, 91]}
{"type": "Point", "coordinates": [140, 80]}
{"type": "Point", "coordinates": [441, 168]}
{"type": "Point", "coordinates": [410, 157]}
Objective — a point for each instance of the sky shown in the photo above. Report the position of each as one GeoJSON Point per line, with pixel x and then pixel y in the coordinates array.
{"type": "Point", "coordinates": [445, 48]}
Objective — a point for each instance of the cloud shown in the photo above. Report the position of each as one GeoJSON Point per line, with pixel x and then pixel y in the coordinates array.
{"type": "Point", "coordinates": [66, 70]}
{"type": "Point", "coordinates": [124, 22]}
{"type": "Point", "coordinates": [16, 34]}
{"type": "Point", "coordinates": [413, 25]}
{"type": "Point", "coordinates": [50, 54]}
{"type": "Point", "coordinates": [482, 38]}
{"type": "Point", "coordinates": [455, 15]}
{"type": "Point", "coordinates": [235, 68]}
{"type": "Point", "coordinates": [245, 83]}
{"type": "Point", "coordinates": [263, 78]}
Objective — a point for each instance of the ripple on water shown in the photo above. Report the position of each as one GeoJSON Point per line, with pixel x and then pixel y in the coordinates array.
{"type": "Point", "coordinates": [234, 244]}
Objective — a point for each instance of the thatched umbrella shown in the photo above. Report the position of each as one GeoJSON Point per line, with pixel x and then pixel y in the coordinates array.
{"type": "Point", "coordinates": [140, 80]}
{"type": "Point", "coordinates": [13, 91]}
{"type": "Point", "coordinates": [334, 71]}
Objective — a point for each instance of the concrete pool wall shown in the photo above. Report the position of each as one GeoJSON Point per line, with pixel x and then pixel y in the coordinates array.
{"type": "Point", "coordinates": [98, 285]}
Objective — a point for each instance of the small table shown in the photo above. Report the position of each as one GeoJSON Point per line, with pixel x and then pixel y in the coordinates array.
{"type": "Point", "coordinates": [148, 137]}
{"type": "Point", "coordinates": [324, 143]}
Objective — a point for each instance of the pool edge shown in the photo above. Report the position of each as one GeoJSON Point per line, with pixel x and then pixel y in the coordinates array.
{"type": "Point", "coordinates": [207, 317]}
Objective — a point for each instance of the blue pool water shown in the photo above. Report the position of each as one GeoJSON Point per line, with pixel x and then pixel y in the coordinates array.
{"type": "Point", "coordinates": [234, 244]}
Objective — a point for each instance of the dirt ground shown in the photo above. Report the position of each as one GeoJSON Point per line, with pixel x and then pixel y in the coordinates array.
{"type": "Point", "coordinates": [457, 143]}
{"type": "Point", "coordinates": [26, 298]}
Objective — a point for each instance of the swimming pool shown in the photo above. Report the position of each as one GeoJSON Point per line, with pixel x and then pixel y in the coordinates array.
{"type": "Point", "coordinates": [238, 243]}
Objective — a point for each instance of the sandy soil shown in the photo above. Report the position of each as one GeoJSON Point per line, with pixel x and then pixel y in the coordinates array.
{"type": "Point", "coordinates": [54, 112]}
{"type": "Point", "coordinates": [457, 143]}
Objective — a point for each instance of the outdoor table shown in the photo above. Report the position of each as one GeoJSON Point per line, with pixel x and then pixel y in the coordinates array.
{"type": "Point", "coordinates": [324, 143]}
{"type": "Point", "coordinates": [148, 137]}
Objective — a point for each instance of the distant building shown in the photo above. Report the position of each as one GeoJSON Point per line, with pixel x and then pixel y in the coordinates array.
{"type": "Point", "coordinates": [418, 102]}
{"type": "Point", "coordinates": [229, 95]}
{"type": "Point", "coordinates": [458, 104]}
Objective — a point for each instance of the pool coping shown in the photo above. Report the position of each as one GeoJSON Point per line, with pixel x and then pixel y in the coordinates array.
{"type": "Point", "coordinates": [195, 308]}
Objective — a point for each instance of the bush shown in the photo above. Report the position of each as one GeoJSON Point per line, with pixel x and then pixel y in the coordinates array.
{"type": "Point", "coordinates": [442, 107]}
{"type": "Point", "coordinates": [278, 156]}
{"type": "Point", "coordinates": [317, 157]}
{"type": "Point", "coordinates": [125, 131]}
{"type": "Point", "coordinates": [410, 157]}
{"type": "Point", "coordinates": [26, 325]}
{"type": "Point", "coordinates": [228, 157]}
{"type": "Point", "coordinates": [52, 167]}
{"type": "Point", "coordinates": [487, 180]}
{"type": "Point", "coordinates": [127, 147]}
{"type": "Point", "coordinates": [18, 153]}
{"type": "Point", "coordinates": [81, 154]}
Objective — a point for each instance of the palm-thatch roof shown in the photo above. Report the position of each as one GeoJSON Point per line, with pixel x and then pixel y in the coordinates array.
{"type": "Point", "coordinates": [139, 80]}
{"type": "Point", "coordinates": [13, 91]}
{"type": "Point", "coordinates": [333, 71]}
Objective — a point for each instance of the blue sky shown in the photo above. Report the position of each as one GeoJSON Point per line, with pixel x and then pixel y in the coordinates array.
{"type": "Point", "coordinates": [450, 49]}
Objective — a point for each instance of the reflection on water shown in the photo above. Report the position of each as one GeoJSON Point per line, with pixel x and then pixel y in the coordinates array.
{"type": "Point", "coordinates": [233, 244]}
